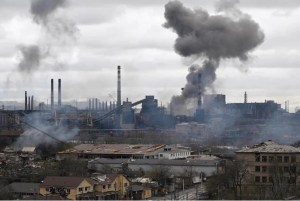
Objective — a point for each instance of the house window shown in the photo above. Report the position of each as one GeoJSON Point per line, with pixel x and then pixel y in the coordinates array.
{"type": "Point", "coordinates": [87, 188]}
{"type": "Point", "coordinates": [257, 168]}
{"type": "Point", "coordinates": [264, 179]}
{"type": "Point", "coordinates": [48, 189]}
{"type": "Point", "coordinates": [279, 159]}
{"type": "Point", "coordinates": [264, 158]}
{"type": "Point", "coordinates": [286, 159]}
{"type": "Point", "coordinates": [271, 158]}
{"type": "Point", "coordinates": [257, 179]}
{"type": "Point", "coordinates": [257, 157]}
{"type": "Point", "coordinates": [109, 185]}
{"type": "Point", "coordinates": [293, 159]}
{"type": "Point", "coordinates": [160, 155]}
{"type": "Point", "coordinates": [264, 168]}
{"type": "Point", "coordinates": [286, 169]}
{"type": "Point", "coordinates": [80, 189]}
{"type": "Point", "coordinates": [125, 184]}
{"type": "Point", "coordinates": [103, 186]}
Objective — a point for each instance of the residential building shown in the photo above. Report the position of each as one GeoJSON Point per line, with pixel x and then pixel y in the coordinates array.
{"type": "Point", "coordinates": [69, 187]}
{"type": "Point", "coordinates": [107, 187]}
{"type": "Point", "coordinates": [269, 164]}
{"type": "Point", "coordinates": [112, 182]}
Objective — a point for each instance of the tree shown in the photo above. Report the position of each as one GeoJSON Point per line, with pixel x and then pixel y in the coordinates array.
{"type": "Point", "coordinates": [230, 181]}
{"type": "Point", "coordinates": [160, 174]}
{"type": "Point", "coordinates": [283, 180]}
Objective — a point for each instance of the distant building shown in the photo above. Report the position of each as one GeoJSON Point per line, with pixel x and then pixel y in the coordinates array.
{"type": "Point", "coordinates": [176, 167]}
{"type": "Point", "coordinates": [171, 153]}
{"type": "Point", "coordinates": [254, 110]}
{"type": "Point", "coordinates": [137, 151]}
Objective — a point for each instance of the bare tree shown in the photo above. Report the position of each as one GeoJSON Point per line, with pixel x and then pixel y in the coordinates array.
{"type": "Point", "coordinates": [230, 181]}
{"type": "Point", "coordinates": [160, 174]}
{"type": "Point", "coordinates": [283, 180]}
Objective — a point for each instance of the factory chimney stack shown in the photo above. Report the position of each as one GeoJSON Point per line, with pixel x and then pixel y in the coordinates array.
{"type": "Point", "coordinates": [199, 92]}
{"type": "Point", "coordinates": [245, 97]}
{"type": "Point", "coordinates": [31, 103]}
{"type": "Point", "coordinates": [52, 95]}
{"type": "Point", "coordinates": [59, 93]}
{"type": "Point", "coordinates": [28, 107]}
{"type": "Point", "coordinates": [119, 87]}
{"type": "Point", "coordinates": [25, 100]}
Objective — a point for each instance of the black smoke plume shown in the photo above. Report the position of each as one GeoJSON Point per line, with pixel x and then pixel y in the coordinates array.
{"type": "Point", "coordinates": [58, 32]}
{"type": "Point", "coordinates": [210, 38]}
{"type": "Point", "coordinates": [30, 58]}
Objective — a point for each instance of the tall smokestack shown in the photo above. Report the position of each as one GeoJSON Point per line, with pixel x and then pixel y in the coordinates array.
{"type": "Point", "coordinates": [119, 87]}
{"type": "Point", "coordinates": [31, 103]}
{"type": "Point", "coordinates": [52, 95]}
{"type": "Point", "coordinates": [199, 92]}
{"type": "Point", "coordinates": [25, 100]}
{"type": "Point", "coordinates": [59, 93]}
{"type": "Point", "coordinates": [245, 97]}
{"type": "Point", "coordinates": [28, 107]}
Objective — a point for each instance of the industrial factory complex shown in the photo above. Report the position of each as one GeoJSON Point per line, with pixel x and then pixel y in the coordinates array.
{"type": "Point", "coordinates": [235, 120]}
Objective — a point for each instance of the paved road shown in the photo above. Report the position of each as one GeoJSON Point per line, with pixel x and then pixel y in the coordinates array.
{"type": "Point", "coordinates": [187, 194]}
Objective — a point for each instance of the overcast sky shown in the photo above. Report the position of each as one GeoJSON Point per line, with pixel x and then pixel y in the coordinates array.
{"type": "Point", "coordinates": [130, 33]}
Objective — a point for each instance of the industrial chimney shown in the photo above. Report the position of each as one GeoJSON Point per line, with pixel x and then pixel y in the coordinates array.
{"type": "Point", "coordinates": [59, 93]}
{"type": "Point", "coordinates": [199, 93]}
{"type": "Point", "coordinates": [119, 87]}
{"type": "Point", "coordinates": [52, 95]}
{"type": "Point", "coordinates": [25, 100]}
{"type": "Point", "coordinates": [31, 103]}
{"type": "Point", "coordinates": [28, 107]}
{"type": "Point", "coordinates": [245, 97]}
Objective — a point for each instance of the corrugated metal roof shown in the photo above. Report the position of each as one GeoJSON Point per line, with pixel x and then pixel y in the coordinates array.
{"type": "Point", "coordinates": [115, 148]}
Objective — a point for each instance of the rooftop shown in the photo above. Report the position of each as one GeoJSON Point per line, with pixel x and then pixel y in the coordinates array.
{"type": "Point", "coordinates": [269, 147]}
{"type": "Point", "coordinates": [114, 148]}
{"type": "Point", "coordinates": [105, 179]}
{"type": "Point", "coordinates": [64, 181]}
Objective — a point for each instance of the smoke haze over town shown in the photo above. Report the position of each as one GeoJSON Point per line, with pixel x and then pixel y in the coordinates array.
{"type": "Point", "coordinates": [95, 36]}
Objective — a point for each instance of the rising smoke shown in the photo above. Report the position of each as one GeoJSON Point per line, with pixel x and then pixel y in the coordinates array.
{"type": "Point", "coordinates": [58, 34]}
{"type": "Point", "coordinates": [31, 137]}
{"type": "Point", "coordinates": [210, 38]}
{"type": "Point", "coordinates": [30, 58]}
